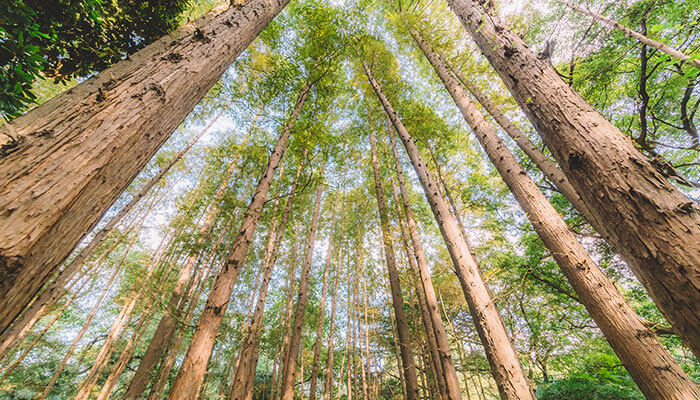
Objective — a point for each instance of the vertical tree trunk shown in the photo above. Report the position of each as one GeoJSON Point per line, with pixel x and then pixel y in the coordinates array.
{"type": "Point", "coordinates": [328, 385]}
{"type": "Point", "coordinates": [505, 366]}
{"type": "Point", "coordinates": [654, 370]}
{"type": "Point", "coordinates": [409, 367]}
{"type": "Point", "coordinates": [434, 327]}
{"type": "Point", "coordinates": [432, 345]}
{"type": "Point", "coordinates": [191, 374]}
{"type": "Point", "coordinates": [653, 226]}
{"type": "Point", "coordinates": [322, 312]}
{"type": "Point", "coordinates": [95, 128]}
{"type": "Point", "coordinates": [548, 168]}
{"type": "Point", "coordinates": [246, 363]}
{"type": "Point", "coordinates": [290, 365]}
{"type": "Point", "coordinates": [399, 366]}
{"type": "Point", "coordinates": [289, 308]}
{"type": "Point", "coordinates": [166, 327]}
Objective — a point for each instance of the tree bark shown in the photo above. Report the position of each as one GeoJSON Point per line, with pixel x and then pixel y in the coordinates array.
{"type": "Point", "coordinates": [543, 163]}
{"type": "Point", "coordinates": [290, 365]}
{"type": "Point", "coordinates": [662, 47]}
{"type": "Point", "coordinates": [409, 366]}
{"type": "Point", "coordinates": [95, 128]}
{"type": "Point", "coordinates": [166, 327]}
{"type": "Point", "coordinates": [426, 285]}
{"type": "Point", "coordinates": [322, 312]}
{"type": "Point", "coordinates": [244, 373]}
{"type": "Point", "coordinates": [191, 374]}
{"type": "Point", "coordinates": [654, 370]}
{"type": "Point", "coordinates": [328, 385]}
{"type": "Point", "coordinates": [651, 224]}
{"type": "Point", "coordinates": [505, 366]}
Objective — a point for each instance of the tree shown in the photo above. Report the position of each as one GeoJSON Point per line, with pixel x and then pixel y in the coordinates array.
{"type": "Point", "coordinates": [635, 206]}
{"type": "Point", "coordinates": [135, 104]}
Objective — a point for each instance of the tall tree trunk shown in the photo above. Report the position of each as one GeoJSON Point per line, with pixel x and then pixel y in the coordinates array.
{"type": "Point", "coordinates": [662, 47]}
{"type": "Point", "coordinates": [654, 370]}
{"type": "Point", "coordinates": [83, 330]}
{"type": "Point", "coordinates": [409, 366]}
{"type": "Point", "coordinates": [246, 363]}
{"type": "Point", "coordinates": [394, 336]}
{"type": "Point", "coordinates": [289, 308]}
{"type": "Point", "coordinates": [95, 128]}
{"type": "Point", "coordinates": [191, 374]}
{"type": "Point", "coordinates": [425, 289]}
{"type": "Point", "coordinates": [543, 163]}
{"type": "Point", "coordinates": [432, 345]}
{"type": "Point", "coordinates": [290, 365]}
{"type": "Point", "coordinates": [328, 385]}
{"type": "Point", "coordinates": [124, 358]}
{"type": "Point", "coordinates": [505, 366]}
{"type": "Point", "coordinates": [166, 327]}
{"type": "Point", "coordinates": [322, 312]}
{"type": "Point", "coordinates": [56, 289]}
{"type": "Point", "coordinates": [653, 226]}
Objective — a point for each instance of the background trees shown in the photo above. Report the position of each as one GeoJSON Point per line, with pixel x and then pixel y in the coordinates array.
{"type": "Point", "coordinates": [347, 344]}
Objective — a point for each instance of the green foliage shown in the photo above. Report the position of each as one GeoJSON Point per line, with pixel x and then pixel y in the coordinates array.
{"type": "Point", "coordinates": [64, 39]}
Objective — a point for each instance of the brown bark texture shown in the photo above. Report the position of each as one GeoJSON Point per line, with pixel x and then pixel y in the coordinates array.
{"type": "Point", "coordinates": [291, 359]}
{"type": "Point", "coordinates": [426, 286]}
{"type": "Point", "coordinates": [191, 374]}
{"type": "Point", "coordinates": [654, 370]}
{"type": "Point", "coordinates": [653, 226]}
{"type": "Point", "coordinates": [408, 362]}
{"type": "Point", "coordinates": [75, 154]}
{"type": "Point", "coordinates": [505, 366]}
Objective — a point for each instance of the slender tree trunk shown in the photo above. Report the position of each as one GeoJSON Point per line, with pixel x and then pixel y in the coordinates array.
{"type": "Point", "coordinates": [426, 283]}
{"type": "Point", "coordinates": [246, 363]}
{"type": "Point", "coordinates": [124, 358]}
{"type": "Point", "coordinates": [11, 366]}
{"type": "Point", "coordinates": [653, 226]}
{"type": "Point", "coordinates": [95, 128]}
{"type": "Point", "coordinates": [290, 365]}
{"type": "Point", "coordinates": [662, 47]}
{"type": "Point", "coordinates": [191, 374]}
{"type": "Point", "coordinates": [399, 366]}
{"type": "Point", "coordinates": [166, 327]}
{"type": "Point", "coordinates": [409, 367]}
{"type": "Point", "coordinates": [289, 307]}
{"type": "Point", "coordinates": [322, 312]}
{"type": "Point", "coordinates": [328, 386]}
{"type": "Point", "coordinates": [654, 370]}
{"type": "Point", "coordinates": [505, 366]}
{"type": "Point", "coordinates": [83, 330]}
{"type": "Point", "coordinates": [543, 163]}
{"type": "Point", "coordinates": [432, 346]}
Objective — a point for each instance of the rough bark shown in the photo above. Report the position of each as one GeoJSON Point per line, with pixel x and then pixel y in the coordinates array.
{"type": "Point", "coordinates": [246, 363]}
{"type": "Point", "coordinates": [543, 163]}
{"type": "Point", "coordinates": [429, 330]}
{"type": "Point", "coordinates": [107, 128]}
{"type": "Point", "coordinates": [651, 224]}
{"type": "Point", "coordinates": [191, 374]}
{"type": "Point", "coordinates": [328, 385]}
{"type": "Point", "coordinates": [409, 366]}
{"type": "Point", "coordinates": [426, 285]}
{"type": "Point", "coordinates": [654, 370]}
{"type": "Point", "coordinates": [505, 367]}
{"type": "Point", "coordinates": [290, 365]}
{"type": "Point", "coordinates": [322, 312]}
{"type": "Point", "coordinates": [662, 47]}
{"type": "Point", "coordinates": [166, 326]}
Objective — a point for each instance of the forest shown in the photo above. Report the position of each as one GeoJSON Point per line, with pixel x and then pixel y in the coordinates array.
{"type": "Point", "coordinates": [350, 199]}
